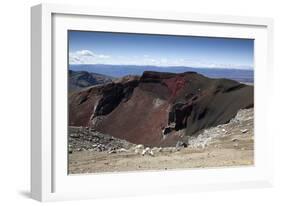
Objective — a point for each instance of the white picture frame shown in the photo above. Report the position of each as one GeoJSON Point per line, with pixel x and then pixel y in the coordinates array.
{"type": "Point", "coordinates": [49, 179]}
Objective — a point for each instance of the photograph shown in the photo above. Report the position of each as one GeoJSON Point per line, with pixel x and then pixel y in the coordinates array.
{"type": "Point", "coordinates": [157, 102]}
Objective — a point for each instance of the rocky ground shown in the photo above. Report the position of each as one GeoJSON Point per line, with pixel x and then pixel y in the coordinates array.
{"type": "Point", "coordinates": [87, 139]}
{"type": "Point", "coordinates": [230, 144]}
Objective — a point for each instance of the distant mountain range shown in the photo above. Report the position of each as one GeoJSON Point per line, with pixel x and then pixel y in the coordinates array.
{"type": "Point", "coordinates": [81, 79]}
{"type": "Point", "coordinates": [117, 71]}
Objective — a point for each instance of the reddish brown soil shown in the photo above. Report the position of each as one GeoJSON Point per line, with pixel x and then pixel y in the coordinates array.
{"type": "Point", "coordinates": [140, 109]}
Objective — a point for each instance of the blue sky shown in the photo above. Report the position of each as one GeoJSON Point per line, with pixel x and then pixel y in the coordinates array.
{"type": "Point", "coordinates": [159, 50]}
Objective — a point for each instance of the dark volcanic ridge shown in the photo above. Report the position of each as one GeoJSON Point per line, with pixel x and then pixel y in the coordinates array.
{"type": "Point", "coordinates": [153, 108]}
{"type": "Point", "coordinates": [81, 79]}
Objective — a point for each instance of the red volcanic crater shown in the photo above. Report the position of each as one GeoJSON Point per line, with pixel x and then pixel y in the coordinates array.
{"type": "Point", "coordinates": [151, 109]}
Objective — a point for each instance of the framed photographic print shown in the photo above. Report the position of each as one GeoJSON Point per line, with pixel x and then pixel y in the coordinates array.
{"type": "Point", "coordinates": [134, 102]}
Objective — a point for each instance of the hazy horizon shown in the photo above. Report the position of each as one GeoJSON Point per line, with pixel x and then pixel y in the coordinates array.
{"type": "Point", "coordinates": [147, 65]}
{"type": "Point", "coordinates": [124, 70]}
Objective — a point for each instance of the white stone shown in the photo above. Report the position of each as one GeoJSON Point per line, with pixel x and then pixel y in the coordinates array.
{"type": "Point", "coordinates": [122, 150]}
{"type": "Point", "coordinates": [139, 146]}
{"type": "Point", "coordinates": [244, 130]}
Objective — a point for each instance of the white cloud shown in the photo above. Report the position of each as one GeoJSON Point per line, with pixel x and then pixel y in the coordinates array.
{"type": "Point", "coordinates": [207, 64]}
{"type": "Point", "coordinates": [74, 60]}
{"type": "Point", "coordinates": [86, 57]}
{"type": "Point", "coordinates": [89, 57]}
{"type": "Point", "coordinates": [85, 53]}
{"type": "Point", "coordinates": [102, 56]}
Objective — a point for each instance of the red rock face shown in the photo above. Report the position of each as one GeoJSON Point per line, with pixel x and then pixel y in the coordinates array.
{"type": "Point", "coordinates": [175, 85]}
{"type": "Point", "coordinates": [152, 109]}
